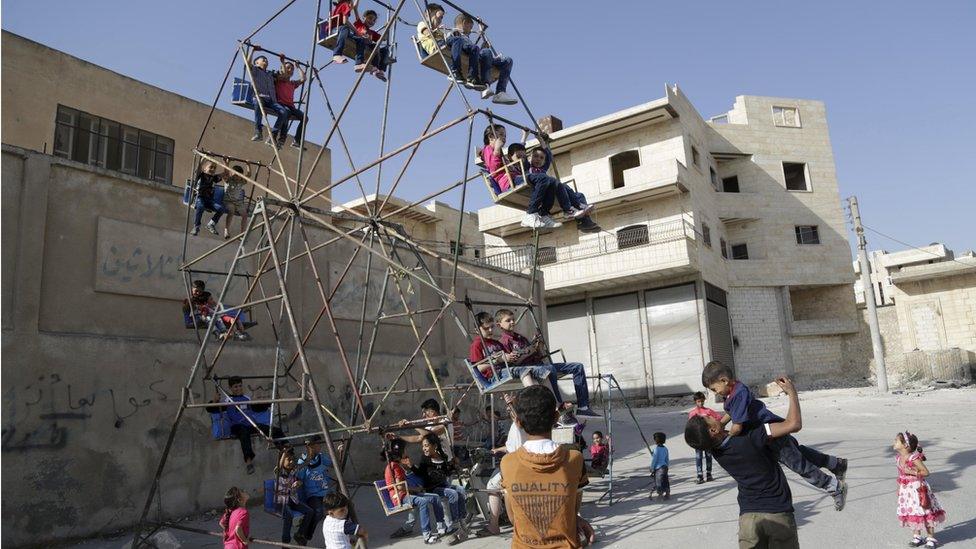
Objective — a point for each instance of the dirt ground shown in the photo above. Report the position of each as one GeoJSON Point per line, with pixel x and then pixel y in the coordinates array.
{"type": "Point", "coordinates": [857, 424]}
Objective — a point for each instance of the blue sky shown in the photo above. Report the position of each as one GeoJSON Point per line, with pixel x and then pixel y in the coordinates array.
{"type": "Point", "coordinates": [898, 79]}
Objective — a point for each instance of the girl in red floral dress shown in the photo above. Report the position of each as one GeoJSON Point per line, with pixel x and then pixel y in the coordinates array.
{"type": "Point", "coordinates": [918, 507]}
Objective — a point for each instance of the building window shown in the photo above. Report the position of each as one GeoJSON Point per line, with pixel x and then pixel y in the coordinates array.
{"type": "Point", "coordinates": [547, 255]}
{"type": "Point", "coordinates": [694, 156]}
{"type": "Point", "coordinates": [477, 253]}
{"type": "Point", "coordinates": [740, 251]}
{"type": "Point", "coordinates": [787, 117]}
{"type": "Point", "coordinates": [715, 180]}
{"type": "Point", "coordinates": [113, 146]}
{"type": "Point", "coordinates": [730, 184]}
{"type": "Point", "coordinates": [720, 119]}
{"type": "Point", "coordinates": [629, 237]}
{"type": "Point", "coordinates": [706, 235]}
{"type": "Point", "coordinates": [455, 250]}
{"type": "Point", "coordinates": [807, 234]}
{"type": "Point", "coordinates": [795, 174]}
{"type": "Point", "coordinates": [620, 162]}
{"type": "Point", "coordinates": [725, 248]}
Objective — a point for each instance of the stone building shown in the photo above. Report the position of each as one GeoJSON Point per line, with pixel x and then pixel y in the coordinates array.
{"type": "Point", "coordinates": [95, 353]}
{"type": "Point", "coordinates": [723, 239]}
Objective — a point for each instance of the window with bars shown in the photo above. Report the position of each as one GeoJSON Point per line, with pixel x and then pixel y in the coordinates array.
{"type": "Point", "coordinates": [632, 236]}
{"type": "Point", "coordinates": [455, 249]}
{"type": "Point", "coordinates": [807, 234]}
{"type": "Point", "coordinates": [786, 117]}
{"type": "Point", "coordinates": [547, 255]}
{"type": "Point", "coordinates": [100, 142]}
{"type": "Point", "coordinates": [740, 251]}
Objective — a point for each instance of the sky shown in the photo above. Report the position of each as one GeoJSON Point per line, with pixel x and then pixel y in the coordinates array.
{"type": "Point", "coordinates": [898, 79]}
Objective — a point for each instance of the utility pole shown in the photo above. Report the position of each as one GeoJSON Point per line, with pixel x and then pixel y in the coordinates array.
{"type": "Point", "coordinates": [862, 256]}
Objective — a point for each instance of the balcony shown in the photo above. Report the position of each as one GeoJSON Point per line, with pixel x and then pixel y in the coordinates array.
{"type": "Point", "coordinates": [664, 250]}
{"type": "Point", "coordinates": [651, 181]}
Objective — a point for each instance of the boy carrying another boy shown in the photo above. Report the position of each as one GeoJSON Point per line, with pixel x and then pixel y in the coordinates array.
{"type": "Point", "coordinates": [530, 352]}
{"type": "Point", "coordinates": [744, 411]}
{"type": "Point", "coordinates": [765, 502]}
{"type": "Point", "coordinates": [543, 480]}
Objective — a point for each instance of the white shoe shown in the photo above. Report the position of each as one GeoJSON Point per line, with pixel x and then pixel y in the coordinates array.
{"type": "Point", "coordinates": [504, 99]}
{"type": "Point", "coordinates": [550, 223]}
{"type": "Point", "coordinates": [487, 93]}
{"type": "Point", "coordinates": [212, 227]}
{"type": "Point", "coordinates": [532, 221]}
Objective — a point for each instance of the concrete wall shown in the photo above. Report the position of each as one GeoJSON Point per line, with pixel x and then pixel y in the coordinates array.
{"type": "Point", "coordinates": [95, 353]}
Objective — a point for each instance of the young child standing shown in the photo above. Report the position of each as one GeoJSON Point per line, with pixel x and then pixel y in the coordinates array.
{"type": "Point", "coordinates": [235, 197]}
{"type": "Point", "coordinates": [207, 177]}
{"type": "Point", "coordinates": [543, 480]}
{"type": "Point", "coordinates": [236, 522]}
{"type": "Point", "coordinates": [701, 455]}
{"type": "Point", "coordinates": [337, 527]}
{"type": "Point", "coordinates": [287, 495]}
{"type": "Point", "coordinates": [659, 467]}
{"type": "Point", "coordinates": [745, 411]}
{"type": "Point", "coordinates": [918, 507]}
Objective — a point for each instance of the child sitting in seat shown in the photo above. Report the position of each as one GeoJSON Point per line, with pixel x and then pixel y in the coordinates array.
{"type": "Point", "coordinates": [438, 474]}
{"type": "Point", "coordinates": [355, 29]}
{"type": "Point", "coordinates": [201, 306]}
{"type": "Point", "coordinates": [401, 492]}
{"type": "Point", "coordinates": [265, 96]}
{"type": "Point", "coordinates": [285, 90]}
{"type": "Point", "coordinates": [485, 346]}
{"type": "Point", "coordinates": [364, 29]}
{"type": "Point", "coordinates": [531, 352]}
{"type": "Point", "coordinates": [241, 424]}
{"type": "Point", "coordinates": [431, 36]}
{"type": "Point", "coordinates": [600, 452]}
{"type": "Point", "coordinates": [235, 197]}
{"type": "Point", "coordinates": [480, 63]}
{"type": "Point", "coordinates": [337, 527]}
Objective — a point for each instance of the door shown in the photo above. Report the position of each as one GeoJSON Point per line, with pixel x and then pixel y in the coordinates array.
{"type": "Point", "coordinates": [619, 345]}
{"type": "Point", "coordinates": [569, 330]}
{"type": "Point", "coordinates": [675, 340]}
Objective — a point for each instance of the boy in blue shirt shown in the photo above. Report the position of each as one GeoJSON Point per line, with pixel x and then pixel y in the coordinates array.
{"type": "Point", "coordinates": [659, 468]}
{"type": "Point", "coordinates": [240, 427]}
{"type": "Point", "coordinates": [765, 501]}
{"type": "Point", "coordinates": [745, 412]}
{"type": "Point", "coordinates": [316, 479]}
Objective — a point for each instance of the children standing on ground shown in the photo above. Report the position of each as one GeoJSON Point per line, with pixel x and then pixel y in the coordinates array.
{"type": "Point", "coordinates": [285, 90]}
{"type": "Point", "coordinates": [745, 411]}
{"type": "Point", "coordinates": [531, 354]}
{"type": "Point", "coordinates": [265, 95]}
{"type": "Point", "coordinates": [918, 507]}
{"type": "Point", "coordinates": [337, 527]}
{"type": "Point", "coordinates": [600, 452]}
{"type": "Point", "coordinates": [480, 63]}
{"type": "Point", "coordinates": [235, 197]}
{"type": "Point", "coordinates": [701, 455]}
{"type": "Point", "coordinates": [543, 480]}
{"type": "Point", "coordinates": [287, 493]}
{"type": "Point", "coordinates": [235, 522]}
{"type": "Point", "coordinates": [208, 176]}
{"type": "Point", "coordinates": [660, 459]}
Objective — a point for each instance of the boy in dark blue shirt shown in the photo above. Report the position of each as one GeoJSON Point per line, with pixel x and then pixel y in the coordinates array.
{"type": "Point", "coordinates": [765, 501]}
{"type": "Point", "coordinates": [745, 412]}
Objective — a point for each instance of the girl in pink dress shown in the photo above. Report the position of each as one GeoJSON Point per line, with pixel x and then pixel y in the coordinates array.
{"type": "Point", "coordinates": [235, 522]}
{"type": "Point", "coordinates": [918, 507]}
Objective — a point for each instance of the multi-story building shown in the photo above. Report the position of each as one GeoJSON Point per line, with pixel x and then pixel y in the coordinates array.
{"type": "Point", "coordinates": [723, 239]}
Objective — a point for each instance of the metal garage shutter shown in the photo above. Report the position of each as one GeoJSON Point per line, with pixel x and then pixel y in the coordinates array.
{"type": "Point", "coordinates": [719, 327]}
{"type": "Point", "coordinates": [569, 330]}
{"type": "Point", "coordinates": [675, 340]}
{"type": "Point", "coordinates": [619, 344]}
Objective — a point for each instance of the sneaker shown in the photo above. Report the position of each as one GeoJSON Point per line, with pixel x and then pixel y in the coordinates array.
{"type": "Point", "coordinates": [360, 67]}
{"type": "Point", "coordinates": [474, 84]}
{"type": "Point", "coordinates": [587, 225]}
{"type": "Point", "coordinates": [549, 223]}
{"type": "Point", "coordinates": [709, 478]}
{"type": "Point", "coordinates": [401, 532]}
{"type": "Point", "coordinates": [700, 480]}
{"type": "Point", "coordinates": [841, 470]}
{"type": "Point", "coordinates": [917, 541]}
{"type": "Point", "coordinates": [380, 75]}
{"type": "Point", "coordinates": [458, 538]}
{"type": "Point", "coordinates": [212, 227]}
{"type": "Point", "coordinates": [567, 419]}
{"type": "Point", "coordinates": [840, 495]}
{"type": "Point", "coordinates": [431, 539]}
{"type": "Point", "coordinates": [300, 539]}
{"type": "Point", "coordinates": [577, 214]}
{"type": "Point", "coordinates": [532, 221]}
{"type": "Point", "coordinates": [586, 412]}
{"type": "Point", "coordinates": [503, 98]}
{"type": "Point", "coordinates": [487, 93]}
{"type": "Point", "coordinates": [195, 230]}
{"type": "Point", "coordinates": [242, 336]}
{"type": "Point", "coordinates": [931, 542]}
{"type": "Point", "coordinates": [226, 233]}
{"type": "Point", "coordinates": [297, 144]}
{"type": "Point", "coordinates": [339, 59]}
{"type": "Point", "coordinates": [250, 468]}
{"type": "Point", "coordinates": [256, 137]}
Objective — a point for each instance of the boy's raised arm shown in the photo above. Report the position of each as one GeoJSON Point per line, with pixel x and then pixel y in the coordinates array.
{"type": "Point", "coordinates": [794, 421]}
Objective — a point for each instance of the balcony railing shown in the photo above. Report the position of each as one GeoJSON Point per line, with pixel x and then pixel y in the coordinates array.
{"type": "Point", "coordinates": [634, 236]}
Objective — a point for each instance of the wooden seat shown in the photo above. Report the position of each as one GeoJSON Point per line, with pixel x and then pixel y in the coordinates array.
{"type": "Point", "coordinates": [383, 492]}
{"type": "Point", "coordinates": [436, 61]}
{"type": "Point", "coordinates": [500, 381]}
{"type": "Point", "coordinates": [328, 36]}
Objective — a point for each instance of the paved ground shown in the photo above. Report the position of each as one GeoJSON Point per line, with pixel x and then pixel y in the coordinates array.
{"type": "Point", "coordinates": [852, 423]}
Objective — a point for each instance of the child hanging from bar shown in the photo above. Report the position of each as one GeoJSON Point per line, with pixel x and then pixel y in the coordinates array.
{"type": "Point", "coordinates": [480, 62]}
{"type": "Point", "coordinates": [545, 189]}
{"type": "Point", "coordinates": [266, 96]}
{"type": "Point", "coordinates": [207, 177]}
{"type": "Point", "coordinates": [201, 306]}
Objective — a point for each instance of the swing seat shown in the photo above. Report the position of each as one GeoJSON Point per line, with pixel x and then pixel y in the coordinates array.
{"type": "Point", "coordinates": [328, 37]}
{"type": "Point", "coordinates": [383, 492]}
{"type": "Point", "coordinates": [242, 94]}
{"type": "Point", "coordinates": [500, 382]}
{"type": "Point", "coordinates": [220, 426]}
{"type": "Point", "coordinates": [435, 60]}
{"type": "Point", "coordinates": [270, 506]}
{"type": "Point", "coordinates": [516, 197]}
{"type": "Point", "coordinates": [187, 192]}
{"type": "Point", "coordinates": [564, 435]}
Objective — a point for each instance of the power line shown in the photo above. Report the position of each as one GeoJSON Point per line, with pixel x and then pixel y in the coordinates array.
{"type": "Point", "coordinates": [903, 243]}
